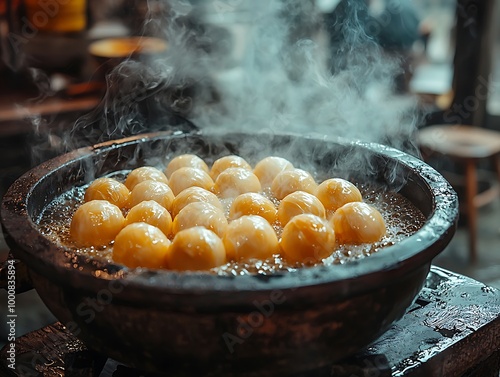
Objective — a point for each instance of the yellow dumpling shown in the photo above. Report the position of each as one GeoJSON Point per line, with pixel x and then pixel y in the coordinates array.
{"type": "Point", "coordinates": [145, 173]}
{"type": "Point", "coordinates": [299, 202]}
{"type": "Point", "coordinates": [196, 249]}
{"type": "Point", "coordinates": [336, 192]}
{"type": "Point", "coordinates": [200, 214]}
{"type": "Point", "coordinates": [307, 239]}
{"type": "Point", "coordinates": [252, 203]}
{"type": "Point", "coordinates": [236, 181]}
{"type": "Point", "coordinates": [152, 213]}
{"type": "Point", "coordinates": [96, 223]}
{"type": "Point", "coordinates": [186, 177]}
{"type": "Point", "coordinates": [108, 189]}
{"type": "Point", "coordinates": [192, 195]}
{"type": "Point", "coordinates": [250, 237]}
{"type": "Point", "coordinates": [358, 222]}
{"type": "Point", "coordinates": [227, 162]}
{"type": "Point", "coordinates": [141, 245]}
{"type": "Point", "coordinates": [160, 192]}
{"type": "Point", "coordinates": [289, 181]}
{"type": "Point", "coordinates": [268, 168]}
{"type": "Point", "coordinates": [185, 161]}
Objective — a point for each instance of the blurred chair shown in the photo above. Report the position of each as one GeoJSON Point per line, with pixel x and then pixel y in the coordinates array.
{"type": "Point", "coordinates": [467, 146]}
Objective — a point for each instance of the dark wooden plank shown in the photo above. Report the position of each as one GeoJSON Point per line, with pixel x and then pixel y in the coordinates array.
{"type": "Point", "coordinates": [50, 352]}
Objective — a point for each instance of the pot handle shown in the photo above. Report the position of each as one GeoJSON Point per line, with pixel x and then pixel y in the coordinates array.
{"type": "Point", "coordinates": [16, 268]}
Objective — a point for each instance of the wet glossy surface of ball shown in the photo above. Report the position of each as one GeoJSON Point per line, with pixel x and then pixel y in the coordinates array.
{"type": "Point", "coordinates": [160, 192]}
{"type": "Point", "coordinates": [196, 249]}
{"type": "Point", "coordinates": [185, 161]}
{"type": "Point", "coordinates": [108, 189]}
{"type": "Point", "coordinates": [96, 223]}
{"type": "Point", "coordinates": [250, 237]}
{"type": "Point", "coordinates": [141, 245]}
{"type": "Point", "coordinates": [307, 239]}
{"type": "Point", "coordinates": [152, 213]}
{"type": "Point", "coordinates": [336, 192]}
{"type": "Point", "coordinates": [184, 178]}
{"type": "Point", "coordinates": [289, 181]}
{"type": "Point", "coordinates": [358, 222]}
{"type": "Point", "coordinates": [145, 173]}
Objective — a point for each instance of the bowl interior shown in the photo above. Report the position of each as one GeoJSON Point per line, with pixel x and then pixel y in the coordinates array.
{"type": "Point", "coordinates": [366, 163]}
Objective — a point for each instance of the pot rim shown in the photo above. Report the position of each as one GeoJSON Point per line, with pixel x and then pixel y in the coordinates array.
{"type": "Point", "coordinates": [358, 276]}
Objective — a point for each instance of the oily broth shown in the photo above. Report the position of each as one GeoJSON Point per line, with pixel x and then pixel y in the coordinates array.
{"type": "Point", "coordinates": [401, 217]}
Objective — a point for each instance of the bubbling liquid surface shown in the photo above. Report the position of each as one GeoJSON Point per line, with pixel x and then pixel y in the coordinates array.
{"type": "Point", "coordinates": [401, 217]}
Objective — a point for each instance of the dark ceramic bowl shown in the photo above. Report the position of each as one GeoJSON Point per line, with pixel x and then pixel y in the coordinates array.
{"type": "Point", "coordinates": [255, 325]}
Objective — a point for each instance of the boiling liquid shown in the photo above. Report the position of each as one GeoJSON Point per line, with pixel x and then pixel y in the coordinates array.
{"type": "Point", "coordinates": [402, 219]}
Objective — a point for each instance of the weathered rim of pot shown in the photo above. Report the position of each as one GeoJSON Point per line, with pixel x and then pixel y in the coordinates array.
{"type": "Point", "coordinates": [59, 263]}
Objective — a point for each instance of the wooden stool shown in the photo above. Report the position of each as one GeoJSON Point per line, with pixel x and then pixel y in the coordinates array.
{"type": "Point", "coordinates": [467, 146]}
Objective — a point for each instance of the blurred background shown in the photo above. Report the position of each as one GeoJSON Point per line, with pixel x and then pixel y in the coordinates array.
{"type": "Point", "coordinates": [56, 56]}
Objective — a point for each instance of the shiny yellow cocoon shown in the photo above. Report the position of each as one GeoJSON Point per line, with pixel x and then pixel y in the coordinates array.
{"type": "Point", "coordinates": [96, 223]}
{"type": "Point", "coordinates": [358, 222]}
{"type": "Point", "coordinates": [227, 162]}
{"type": "Point", "coordinates": [268, 168]}
{"type": "Point", "coordinates": [236, 181]}
{"type": "Point", "coordinates": [152, 213]}
{"type": "Point", "coordinates": [289, 181]}
{"type": "Point", "coordinates": [250, 237]}
{"type": "Point", "coordinates": [108, 189]}
{"type": "Point", "coordinates": [307, 239]}
{"type": "Point", "coordinates": [144, 173]}
{"type": "Point", "coordinates": [186, 177]}
{"type": "Point", "coordinates": [252, 203]}
{"type": "Point", "coordinates": [196, 249]}
{"type": "Point", "coordinates": [160, 192]}
{"type": "Point", "coordinates": [185, 161]}
{"type": "Point", "coordinates": [141, 245]}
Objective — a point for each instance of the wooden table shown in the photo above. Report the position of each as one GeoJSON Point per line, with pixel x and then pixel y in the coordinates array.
{"type": "Point", "coordinates": [467, 146]}
{"type": "Point", "coordinates": [21, 104]}
{"type": "Point", "coordinates": [452, 329]}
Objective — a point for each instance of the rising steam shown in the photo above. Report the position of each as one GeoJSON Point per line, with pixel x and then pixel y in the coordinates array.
{"type": "Point", "coordinates": [294, 71]}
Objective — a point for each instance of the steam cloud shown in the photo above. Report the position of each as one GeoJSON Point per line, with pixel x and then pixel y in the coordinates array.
{"type": "Point", "coordinates": [293, 72]}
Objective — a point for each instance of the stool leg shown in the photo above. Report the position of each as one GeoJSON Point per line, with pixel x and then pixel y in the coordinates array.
{"type": "Point", "coordinates": [471, 192]}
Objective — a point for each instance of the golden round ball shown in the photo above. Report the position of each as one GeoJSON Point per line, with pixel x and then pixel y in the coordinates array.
{"type": "Point", "coordinates": [144, 173]}
{"type": "Point", "coordinates": [185, 161]}
{"type": "Point", "coordinates": [196, 249]}
{"type": "Point", "coordinates": [289, 181]}
{"type": "Point", "coordinates": [250, 237]}
{"type": "Point", "coordinates": [160, 192]}
{"type": "Point", "coordinates": [141, 245]}
{"type": "Point", "coordinates": [335, 192]}
{"type": "Point", "coordinates": [96, 223]}
{"type": "Point", "coordinates": [227, 162]}
{"type": "Point", "coordinates": [297, 203]}
{"type": "Point", "coordinates": [108, 189]}
{"type": "Point", "coordinates": [307, 239]}
{"type": "Point", "coordinates": [152, 213]}
{"type": "Point", "coordinates": [236, 181]}
{"type": "Point", "coordinates": [193, 195]}
{"type": "Point", "coordinates": [268, 168]}
{"type": "Point", "coordinates": [186, 177]}
{"type": "Point", "coordinates": [252, 203]}
{"type": "Point", "coordinates": [200, 214]}
{"type": "Point", "coordinates": [358, 222]}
